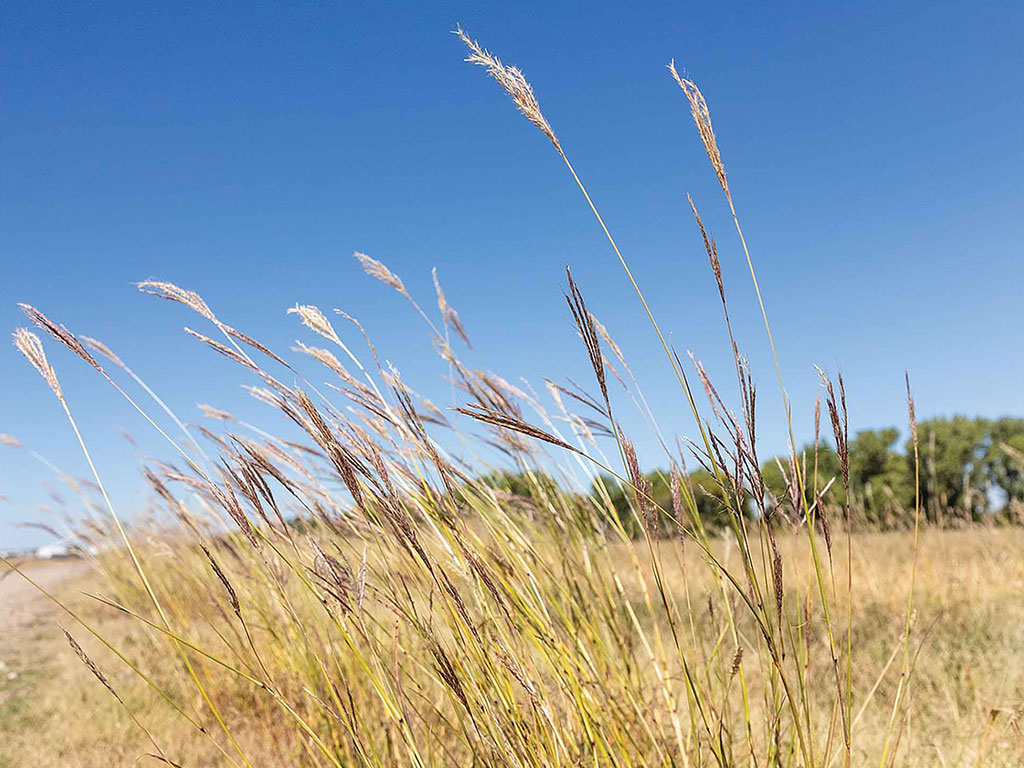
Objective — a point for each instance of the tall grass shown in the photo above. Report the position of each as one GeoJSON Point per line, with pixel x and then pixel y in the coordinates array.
{"type": "Point", "coordinates": [353, 592]}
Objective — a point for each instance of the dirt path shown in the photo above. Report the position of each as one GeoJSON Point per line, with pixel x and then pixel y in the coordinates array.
{"type": "Point", "coordinates": [21, 604]}
{"type": "Point", "coordinates": [29, 640]}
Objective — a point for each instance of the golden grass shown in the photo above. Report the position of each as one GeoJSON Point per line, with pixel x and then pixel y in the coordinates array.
{"type": "Point", "coordinates": [968, 679]}
{"type": "Point", "coordinates": [352, 590]}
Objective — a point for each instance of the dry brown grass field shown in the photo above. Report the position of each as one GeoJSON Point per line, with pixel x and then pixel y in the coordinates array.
{"type": "Point", "coordinates": [968, 675]}
{"type": "Point", "coordinates": [350, 583]}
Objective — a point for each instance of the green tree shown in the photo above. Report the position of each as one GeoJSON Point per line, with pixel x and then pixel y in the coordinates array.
{"type": "Point", "coordinates": [881, 478]}
{"type": "Point", "coordinates": [953, 467]}
{"type": "Point", "coordinates": [534, 485]}
{"type": "Point", "coordinates": [710, 506]}
{"type": "Point", "coordinates": [962, 460]}
{"type": "Point", "coordinates": [1003, 468]}
{"type": "Point", "coordinates": [818, 469]}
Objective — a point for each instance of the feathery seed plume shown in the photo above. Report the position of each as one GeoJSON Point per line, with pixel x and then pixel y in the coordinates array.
{"type": "Point", "coordinates": [702, 118]}
{"type": "Point", "coordinates": [214, 413]}
{"type": "Point", "coordinates": [602, 331]}
{"type": "Point", "coordinates": [514, 83]}
{"type": "Point", "coordinates": [171, 292]}
{"type": "Point", "coordinates": [327, 358]}
{"type": "Point", "coordinates": [315, 320]}
{"type": "Point", "coordinates": [90, 664]}
{"type": "Point", "coordinates": [378, 271]}
{"type": "Point", "coordinates": [100, 348]}
{"type": "Point", "coordinates": [32, 348]}
{"type": "Point", "coordinates": [448, 312]}
{"type": "Point", "coordinates": [61, 334]}
{"type": "Point", "coordinates": [218, 347]}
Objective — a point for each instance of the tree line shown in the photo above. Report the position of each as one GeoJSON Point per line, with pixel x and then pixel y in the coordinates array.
{"type": "Point", "coordinates": [971, 469]}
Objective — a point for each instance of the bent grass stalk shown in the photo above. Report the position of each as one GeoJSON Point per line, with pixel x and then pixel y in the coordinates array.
{"type": "Point", "coordinates": [483, 626]}
{"type": "Point", "coordinates": [32, 348]}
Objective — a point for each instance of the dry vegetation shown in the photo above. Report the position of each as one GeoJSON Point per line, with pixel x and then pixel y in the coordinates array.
{"type": "Point", "coordinates": [968, 679]}
{"type": "Point", "coordinates": [351, 591]}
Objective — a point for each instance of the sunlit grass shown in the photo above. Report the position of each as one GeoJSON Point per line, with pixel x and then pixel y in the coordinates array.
{"type": "Point", "coordinates": [353, 588]}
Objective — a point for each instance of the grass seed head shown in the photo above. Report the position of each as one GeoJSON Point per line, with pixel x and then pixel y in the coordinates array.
{"type": "Point", "coordinates": [315, 320]}
{"type": "Point", "coordinates": [702, 118]}
{"type": "Point", "coordinates": [378, 271]}
{"type": "Point", "coordinates": [100, 348]}
{"type": "Point", "coordinates": [32, 348]}
{"type": "Point", "coordinates": [514, 83]}
{"type": "Point", "coordinates": [90, 664]}
{"type": "Point", "coordinates": [171, 292]}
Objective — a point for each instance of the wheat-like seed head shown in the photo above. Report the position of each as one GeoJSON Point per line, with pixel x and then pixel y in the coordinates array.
{"type": "Point", "coordinates": [448, 312]}
{"type": "Point", "coordinates": [378, 271]}
{"type": "Point", "coordinates": [911, 411]}
{"type": "Point", "coordinates": [702, 118]}
{"type": "Point", "coordinates": [737, 660]}
{"type": "Point", "coordinates": [100, 348]}
{"type": "Point", "coordinates": [514, 83]}
{"type": "Point", "coordinates": [171, 292]}
{"type": "Point", "coordinates": [32, 348]}
{"type": "Point", "coordinates": [641, 485]}
{"type": "Point", "coordinates": [216, 414]}
{"type": "Point", "coordinates": [61, 334]}
{"type": "Point", "coordinates": [607, 338]}
{"type": "Point", "coordinates": [314, 319]}
{"type": "Point", "coordinates": [232, 595]}
{"type": "Point", "coordinates": [327, 358]}
{"type": "Point", "coordinates": [90, 664]}
{"type": "Point", "coordinates": [217, 346]}
{"type": "Point", "coordinates": [10, 440]}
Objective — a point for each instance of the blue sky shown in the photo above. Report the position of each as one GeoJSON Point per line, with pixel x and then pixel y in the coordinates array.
{"type": "Point", "coordinates": [875, 152]}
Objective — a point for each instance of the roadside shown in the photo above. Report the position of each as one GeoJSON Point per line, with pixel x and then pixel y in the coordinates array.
{"type": "Point", "coordinates": [29, 639]}
{"type": "Point", "coordinates": [21, 604]}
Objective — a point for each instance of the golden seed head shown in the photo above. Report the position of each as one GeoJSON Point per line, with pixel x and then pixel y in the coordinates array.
{"type": "Point", "coordinates": [514, 83]}
{"type": "Point", "coordinates": [100, 348]}
{"type": "Point", "coordinates": [702, 118]}
{"type": "Point", "coordinates": [378, 271]}
{"type": "Point", "coordinates": [315, 320]}
{"type": "Point", "coordinates": [32, 348]}
{"type": "Point", "coordinates": [214, 413]}
{"type": "Point", "coordinates": [171, 292]}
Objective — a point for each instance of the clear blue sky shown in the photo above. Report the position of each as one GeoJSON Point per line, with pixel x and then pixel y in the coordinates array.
{"type": "Point", "coordinates": [875, 151]}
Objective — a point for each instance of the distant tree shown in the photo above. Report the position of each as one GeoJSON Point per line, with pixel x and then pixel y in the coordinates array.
{"type": "Point", "coordinates": [522, 484]}
{"type": "Point", "coordinates": [705, 490]}
{"type": "Point", "coordinates": [879, 476]}
{"type": "Point", "coordinates": [817, 467]}
{"type": "Point", "coordinates": [953, 475]}
{"type": "Point", "coordinates": [965, 463]}
{"type": "Point", "coordinates": [1005, 468]}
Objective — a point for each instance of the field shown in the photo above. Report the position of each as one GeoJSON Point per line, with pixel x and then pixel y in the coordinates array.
{"type": "Point", "coordinates": [968, 677]}
{"type": "Point", "coordinates": [378, 582]}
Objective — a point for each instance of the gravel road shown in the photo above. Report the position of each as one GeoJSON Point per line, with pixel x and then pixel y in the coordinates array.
{"type": "Point", "coordinates": [21, 604]}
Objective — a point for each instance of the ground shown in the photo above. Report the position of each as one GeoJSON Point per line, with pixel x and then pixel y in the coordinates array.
{"type": "Point", "coordinates": [968, 683]}
{"type": "Point", "coordinates": [29, 641]}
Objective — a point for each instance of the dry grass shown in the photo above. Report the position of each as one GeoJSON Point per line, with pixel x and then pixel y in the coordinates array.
{"type": "Point", "coordinates": [968, 679]}
{"type": "Point", "coordinates": [346, 587]}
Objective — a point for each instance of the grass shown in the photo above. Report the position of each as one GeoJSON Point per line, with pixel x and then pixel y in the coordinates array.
{"type": "Point", "coordinates": [968, 679]}
{"type": "Point", "coordinates": [352, 590]}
